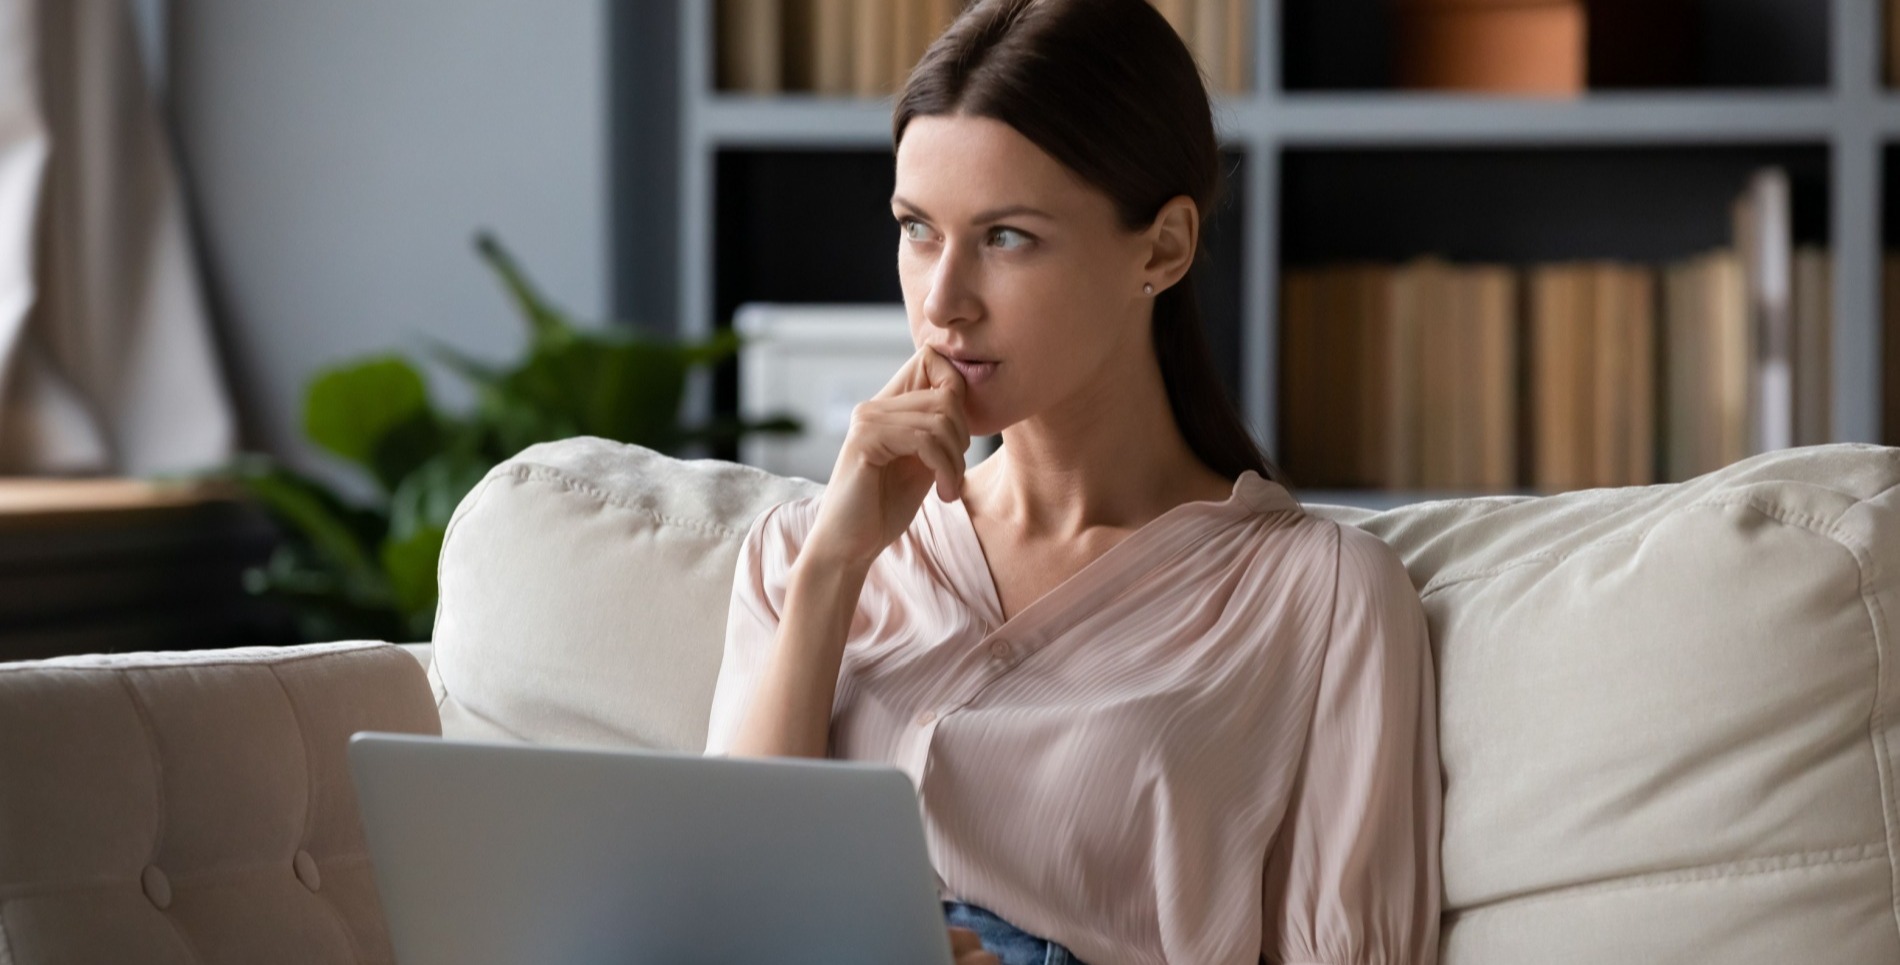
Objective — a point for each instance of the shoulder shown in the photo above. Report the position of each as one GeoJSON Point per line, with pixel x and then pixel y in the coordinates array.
{"type": "Point", "coordinates": [789, 519]}
{"type": "Point", "coordinates": [1371, 585]}
{"type": "Point", "coordinates": [1366, 560]}
{"type": "Point", "coordinates": [773, 537]}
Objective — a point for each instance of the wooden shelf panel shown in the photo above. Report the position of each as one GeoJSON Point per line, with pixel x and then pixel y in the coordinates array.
{"type": "Point", "coordinates": [27, 501]}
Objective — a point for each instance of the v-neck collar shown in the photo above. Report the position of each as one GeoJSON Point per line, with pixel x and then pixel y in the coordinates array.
{"type": "Point", "coordinates": [1155, 541]}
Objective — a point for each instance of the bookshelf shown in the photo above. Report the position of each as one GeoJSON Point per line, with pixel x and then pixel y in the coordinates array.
{"type": "Point", "coordinates": [1297, 138]}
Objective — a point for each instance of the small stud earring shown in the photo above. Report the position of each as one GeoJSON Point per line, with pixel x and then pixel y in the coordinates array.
{"type": "Point", "coordinates": [1147, 289]}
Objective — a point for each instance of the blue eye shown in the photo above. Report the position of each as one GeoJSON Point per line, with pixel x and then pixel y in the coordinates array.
{"type": "Point", "coordinates": [903, 227]}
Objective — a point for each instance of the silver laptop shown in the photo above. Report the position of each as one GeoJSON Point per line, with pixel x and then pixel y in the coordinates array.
{"type": "Point", "coordinates": [491, 853]}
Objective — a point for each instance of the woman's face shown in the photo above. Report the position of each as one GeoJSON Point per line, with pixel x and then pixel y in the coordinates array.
{"type": "Point", "coordinates": [1006, 255]}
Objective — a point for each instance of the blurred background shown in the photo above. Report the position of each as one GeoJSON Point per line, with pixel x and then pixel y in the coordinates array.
{"type": "Point", "coordinates": [279, 282]}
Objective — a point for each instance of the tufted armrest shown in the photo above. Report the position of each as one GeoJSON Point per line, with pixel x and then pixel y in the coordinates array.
{"type": "Point", "coordinates": [195, 806]}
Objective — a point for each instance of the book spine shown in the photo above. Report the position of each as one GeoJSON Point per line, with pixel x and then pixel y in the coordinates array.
{"type": "Point", "coordinates": [872, 25]}
{"type": "Point", "coordinates": [750, 42]}
{"type": "Point", "coordinates": [832, 46]}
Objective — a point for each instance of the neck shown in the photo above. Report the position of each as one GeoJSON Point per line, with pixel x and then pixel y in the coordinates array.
{"type": "Point", "coordinates": [1111, 456]}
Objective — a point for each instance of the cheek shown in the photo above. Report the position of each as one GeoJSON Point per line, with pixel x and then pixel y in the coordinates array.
{"type": "Point", "coordinates": [913, 276]}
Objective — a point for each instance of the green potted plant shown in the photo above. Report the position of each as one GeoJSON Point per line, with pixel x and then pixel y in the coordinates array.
{"type": "Point", "coordinates": [351, 569]}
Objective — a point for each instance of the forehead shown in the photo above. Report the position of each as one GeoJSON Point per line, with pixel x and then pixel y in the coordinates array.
{"type": "Point", "coordinates": [947, 161]}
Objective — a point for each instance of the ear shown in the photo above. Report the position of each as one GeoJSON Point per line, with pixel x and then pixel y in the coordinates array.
{"type": "Point", "coordinates": [1171, 241]}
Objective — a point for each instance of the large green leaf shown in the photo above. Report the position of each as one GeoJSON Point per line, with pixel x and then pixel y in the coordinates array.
{"type": "Point", "coordinates": [374, 412]}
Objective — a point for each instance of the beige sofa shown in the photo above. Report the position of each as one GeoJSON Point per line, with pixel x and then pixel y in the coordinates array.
{"type": "Point", "coordinates": [1667, 715]}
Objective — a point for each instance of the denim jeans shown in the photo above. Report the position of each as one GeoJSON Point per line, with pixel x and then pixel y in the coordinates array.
{"type": "Point", "coordinates": [1010, 944]}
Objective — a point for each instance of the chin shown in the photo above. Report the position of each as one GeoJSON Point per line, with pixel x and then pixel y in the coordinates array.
{"type": "Point", "coordinates": [983, 423]}
{"type": "Point", "coordinates": [981, 427]}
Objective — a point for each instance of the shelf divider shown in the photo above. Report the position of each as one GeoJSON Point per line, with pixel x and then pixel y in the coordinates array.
{"type": "Point", "coordinates": [1611, 119]}
{"type": "Point", "coordinates": [1855, 188]}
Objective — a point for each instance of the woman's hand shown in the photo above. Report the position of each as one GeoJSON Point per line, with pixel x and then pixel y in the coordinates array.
{"type": "Point", "coordinates": [913, 432]}
{"type": "Point", "coordinates": [967, 948]}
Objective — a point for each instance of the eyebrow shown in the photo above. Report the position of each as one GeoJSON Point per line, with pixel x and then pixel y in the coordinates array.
{"type": "Point", "coordinates": [994, 214]}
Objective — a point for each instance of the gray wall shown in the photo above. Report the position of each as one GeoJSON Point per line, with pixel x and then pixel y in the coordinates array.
{"type": "Point", "coordinates": [340, 156]}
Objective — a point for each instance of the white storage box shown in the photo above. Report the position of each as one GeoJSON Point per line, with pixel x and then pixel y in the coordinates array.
{"type": "Point", "coordinates": [815, 362]}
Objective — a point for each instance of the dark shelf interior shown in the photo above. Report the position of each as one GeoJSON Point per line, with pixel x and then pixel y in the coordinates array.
{"type": "Point", "coordinates": [1889, 311]}
{"type": "Point", "coordinates": [1531, 205]}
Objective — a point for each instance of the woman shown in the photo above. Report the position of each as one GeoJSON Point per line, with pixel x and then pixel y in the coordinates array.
{"type": "Point", "coordinates": [1154, 711]}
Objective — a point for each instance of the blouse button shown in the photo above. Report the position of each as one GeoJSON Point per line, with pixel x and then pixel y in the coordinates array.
{"type": "Point", "coordinates": [925, 718]}
{"type": "Point", "coordinates": [1000, 649]}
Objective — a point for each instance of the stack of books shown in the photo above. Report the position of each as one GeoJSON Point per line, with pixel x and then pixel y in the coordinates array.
{"type": "Point", "coordinates": [867, 48]}
{"type": "Point", "coordinates": [1429, 375]}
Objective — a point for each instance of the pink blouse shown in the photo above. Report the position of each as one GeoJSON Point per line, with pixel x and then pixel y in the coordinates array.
{"type": "Point", "coordinates": [1216, 743]}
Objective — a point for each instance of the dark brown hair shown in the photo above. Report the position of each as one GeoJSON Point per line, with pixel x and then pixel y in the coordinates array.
{"type": "Point", "coordinates": [1108, 89]}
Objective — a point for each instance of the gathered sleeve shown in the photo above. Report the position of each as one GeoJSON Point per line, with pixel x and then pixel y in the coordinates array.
{"type": "Point", "coordinates": [1353, 875]}
{"type": "Point", "coordinates": [752, 618]}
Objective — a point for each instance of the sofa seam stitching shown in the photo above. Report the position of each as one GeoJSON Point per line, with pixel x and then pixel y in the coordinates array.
{"type": "Point", "coordinates": [547, 474]}
{"type": "Point", "coordinates": [265, 660]}
{"type": "Point", "coordinates": [310, 815]}
{"type": "Point", "coordinates": [1812, 524]}
{"type": "Point", "coordinates": [158, 793]}
{"type": "Point", "coordinates": [1692, 875]}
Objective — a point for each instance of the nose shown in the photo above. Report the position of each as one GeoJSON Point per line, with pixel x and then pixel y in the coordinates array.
{"type": "Point", "coordinates": [951, 297]}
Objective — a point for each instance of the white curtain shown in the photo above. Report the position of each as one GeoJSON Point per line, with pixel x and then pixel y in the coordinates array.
{"type": "Point", "coordinates": [107, 362]}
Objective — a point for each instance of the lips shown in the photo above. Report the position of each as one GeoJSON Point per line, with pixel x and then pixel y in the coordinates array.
{"type": "Point", "coordinates": [975, 373]}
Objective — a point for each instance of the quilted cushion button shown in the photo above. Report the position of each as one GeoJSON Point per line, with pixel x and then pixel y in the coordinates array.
{"type": "Point", "coordinates": [306, 867]}
{"type": "Point", "coordinates": [157, 887]}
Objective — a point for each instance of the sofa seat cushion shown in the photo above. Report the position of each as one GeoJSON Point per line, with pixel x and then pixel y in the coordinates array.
{"type": "Point", "coordinates": [195, 806]}
{"type": "Point", "coordinates": [1667, 713]}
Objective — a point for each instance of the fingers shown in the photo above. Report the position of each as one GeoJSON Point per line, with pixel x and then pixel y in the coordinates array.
{"type": "Point", "coordinates": [933, 402]}
{"type": "Point", "coordinates": [925, 369]}
{"type": "Point", "coordinates": [884, 436]}
{"type": "Point", "coordinates": [938, 373]}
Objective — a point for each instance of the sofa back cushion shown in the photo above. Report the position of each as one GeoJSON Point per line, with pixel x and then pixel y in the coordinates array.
{"type": "Point", "coordinates": [1667, 718]}
{"type": "Point", "coordinates": [584, 587]}
{"type": "Point", "coordinates": [1666, 713]}
{"type": "Point", "coordinates": [194, 806]}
